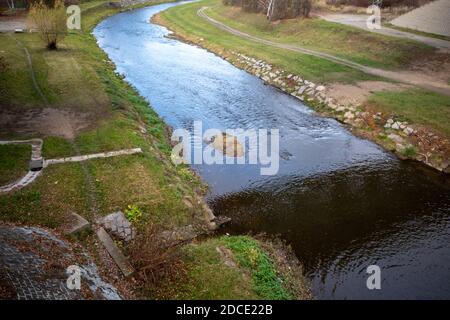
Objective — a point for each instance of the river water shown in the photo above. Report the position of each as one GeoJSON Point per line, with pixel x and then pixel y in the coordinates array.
{"type": "Point", "coordinates": [341, 202]}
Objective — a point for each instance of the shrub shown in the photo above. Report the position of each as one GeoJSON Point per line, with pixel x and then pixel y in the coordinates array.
{"type": "Point", "coordinates": [133, 213]}
{"type": "Point", "coordinates": [50, 21]}
{"type": "Point", "coordinates": [409, 152]}
{"type": "Point", "coordinates": [154, 258]}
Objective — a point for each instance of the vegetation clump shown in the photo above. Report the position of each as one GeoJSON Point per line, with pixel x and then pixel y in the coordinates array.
{"type": "Point", "coordinates": [50, 21]}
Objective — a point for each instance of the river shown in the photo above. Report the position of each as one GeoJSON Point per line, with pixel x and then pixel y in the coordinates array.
{"type": "Point", "coordinates": [342, 202]}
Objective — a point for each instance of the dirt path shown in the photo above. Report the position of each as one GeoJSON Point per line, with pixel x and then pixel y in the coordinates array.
{"type": "Point", "coordinates": [359, 21]}
{"type": "Point", "coordinates": [406, 77]}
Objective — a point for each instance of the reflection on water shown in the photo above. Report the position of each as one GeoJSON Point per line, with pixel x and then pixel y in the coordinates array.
{"type": "Point", "coordinates": [342, 202]}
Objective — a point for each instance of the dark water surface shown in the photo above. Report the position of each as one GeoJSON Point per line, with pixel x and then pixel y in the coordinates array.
{"type": "Point", "coordinates": [342, 202]}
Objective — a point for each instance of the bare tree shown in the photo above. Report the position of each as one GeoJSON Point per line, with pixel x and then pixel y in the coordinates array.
{"type": "Point", "coordinates": [11, 4]}
{"type": "Point", "coordinates": [50, 21]}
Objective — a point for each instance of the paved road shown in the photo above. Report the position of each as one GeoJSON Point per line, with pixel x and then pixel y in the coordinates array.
{"type": "Point", "coordinates": [359, 21]}
{"type": "Point", "coordinates": [410, 78]}
{"type": "Point", "coordinates": [11, 24]}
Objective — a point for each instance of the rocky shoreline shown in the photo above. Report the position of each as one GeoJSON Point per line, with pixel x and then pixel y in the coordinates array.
{"type": "Point", "coordinates": [406, 140]}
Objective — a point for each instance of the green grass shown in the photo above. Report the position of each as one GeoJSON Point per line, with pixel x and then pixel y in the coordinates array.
{"type": "Point", "coordinates": [249, 255]}
{"type": "Point", "coordinates": [185, 22]}
{"type": "Point", "coordinates": [16, 86]}
{"type": "Point", "coordinates": [59, 190]}
{"type": "Point", "coordinates": [253, 276]}
{"type": "Point", "coordinates": [14, 160]}
{"type": "Point", "coordinates": [57, 147]}
{"type": "Point", "coordinates": [417, 106]}
{"type": "Point", "coordinates": [354, 44]}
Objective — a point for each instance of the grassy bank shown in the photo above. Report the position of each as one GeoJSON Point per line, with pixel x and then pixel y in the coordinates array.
{"type": "Point", "coordinates": [91, 109]}
{"type": "Point", "coordinates": [416, 106]}
{"type": "Point", "coordinates": [233, 267]}
{"type": "Point", "coordinates": [363, 47]}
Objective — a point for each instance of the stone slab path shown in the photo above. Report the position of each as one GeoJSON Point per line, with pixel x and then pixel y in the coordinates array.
{"type": "Point", "coordinates": [414, 79]}
{"type": "Point", "coordinates": [359, 21]}
{"type": "Point", "coordinates": [114, 252]}
{"type": "Point", "coordinates": [93, 156]}
{"type": "Point", "coordinates": [36, 154]}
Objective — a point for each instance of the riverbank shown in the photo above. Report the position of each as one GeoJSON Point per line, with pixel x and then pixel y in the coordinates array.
{"type": "Point", "coordinates": [86, 108]}
{"type": "Point", "coordinates": [409, 121]}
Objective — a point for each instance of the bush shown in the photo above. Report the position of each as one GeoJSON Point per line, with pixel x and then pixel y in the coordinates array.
{"type": "Point", "coordinates": [50, 22]}
{"type": "Point", "coordinates": [154, 258]}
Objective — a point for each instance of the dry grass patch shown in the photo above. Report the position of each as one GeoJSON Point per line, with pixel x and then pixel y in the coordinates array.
{"type": "Point", "coordinates": [141, 181]}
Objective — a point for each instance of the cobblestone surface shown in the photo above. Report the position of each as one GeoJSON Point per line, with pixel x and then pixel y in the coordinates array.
{"type": "Point", "coordinates": [116, 224]}
{"type": "Point", "coordinates": [33, 263]}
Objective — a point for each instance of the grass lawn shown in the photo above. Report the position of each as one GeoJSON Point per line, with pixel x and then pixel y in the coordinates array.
{"type": "Point", "coordinates": [416, 106]}
{"type": "Point", "coordinates": [185, 22]}
{"type": "Point", "coordinates": [60, 189]}
{"type": "Point", "coordinates": [14, 160]}
{"type": "Point", "coordinates": [229, 267]}
{"type": "Point", "coordinates": [357, 45]}
{"type": "Point", "coordinates": [420, 33]}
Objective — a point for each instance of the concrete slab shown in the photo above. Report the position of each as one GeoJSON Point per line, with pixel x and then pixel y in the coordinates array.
{"type": "Point", "coordinates": [115, 253]}
{"type": "Point", "coordinates": [75, 224]}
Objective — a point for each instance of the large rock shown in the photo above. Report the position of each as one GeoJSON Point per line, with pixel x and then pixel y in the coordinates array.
{"type": "Point", "coordinates": [117, 224]}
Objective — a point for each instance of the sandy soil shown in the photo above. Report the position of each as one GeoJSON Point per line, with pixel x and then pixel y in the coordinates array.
{"type": "Point", "coordinates": [44, 122]}
{"type": "Point", "coordinates": [357, 94]}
